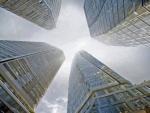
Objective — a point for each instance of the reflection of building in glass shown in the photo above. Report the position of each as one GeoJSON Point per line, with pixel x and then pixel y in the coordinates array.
{"type": "Point", "coordinates": [41, 12]}
{"type": "Point", "coordinates": [119, 22]}
{"type": "Point", "coordinates": [26, 70]}
{"type": "Point", "coordinates": [95, 88]}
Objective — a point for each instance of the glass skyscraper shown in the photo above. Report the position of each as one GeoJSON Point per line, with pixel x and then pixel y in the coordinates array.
{"type": "Point", "coordinates": [26, 70]}
{"type": "Point", "coordinates": [41, 12]}
{"type": "Point", "coordinates": [119, 22]}
{"type": "Point", "coordinates": [95, 88]}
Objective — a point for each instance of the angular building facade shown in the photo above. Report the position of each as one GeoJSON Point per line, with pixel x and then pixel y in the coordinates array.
{"type": "Point", "coordinates": [95, 88]}
{"type": "Point", "coordinates": [26, 70]}
{"type": "Point", "coordinates": [44, 13]}
{"type": "Point", "coordinates": [119, 22]}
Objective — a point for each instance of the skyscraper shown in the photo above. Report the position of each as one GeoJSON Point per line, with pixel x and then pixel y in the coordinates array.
{"type": "Point", "coordinates": [95, 88]}
{"type": "Point", "coordinates": [119, 22]}
{"type": "Point", "coordinates": [41, 12]}
{"type": "Point", "coordinates": [26, 70]}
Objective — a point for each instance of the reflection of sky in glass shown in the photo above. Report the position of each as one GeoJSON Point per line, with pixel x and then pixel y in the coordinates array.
{"type": "Point", "coordinates": [124, 23]}
{"type": "Point", "coordinates": [72, 35]}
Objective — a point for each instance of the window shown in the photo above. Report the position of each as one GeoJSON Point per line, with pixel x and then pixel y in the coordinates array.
{"type": "Point", "coordinates": [10, 71]}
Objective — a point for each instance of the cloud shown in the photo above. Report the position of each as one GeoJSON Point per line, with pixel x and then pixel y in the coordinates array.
{"type": "Point", "coordinates": [72, 35]}
{"type": "Point", "coordinates": [76, 3]}
{"type": "Point", "coordinates": [19, 28]}
{"type": "Point", "coordinates": [58, 106]}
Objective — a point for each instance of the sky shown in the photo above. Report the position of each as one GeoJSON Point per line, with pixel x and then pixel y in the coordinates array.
{"type": "Point", "coordinates": [72, 35]}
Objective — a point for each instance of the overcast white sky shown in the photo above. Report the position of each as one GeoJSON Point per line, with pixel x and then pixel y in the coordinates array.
{"type": "Point", "coordinates": [72, 35]}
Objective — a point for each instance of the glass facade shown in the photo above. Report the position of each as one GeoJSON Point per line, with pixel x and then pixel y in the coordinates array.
{"type": "Point", "coordinates": [14, 105]}
{"type": "Point", "coordinates": [95, 88]}
{"type": "Point", "coordinates": [119, 22]}
{"type": "Point", "coordinates": [27, 69]}
{"type": "Point", "coordinates": [4, 108]}
{"type": "Point", "coordinates": [41, 12]}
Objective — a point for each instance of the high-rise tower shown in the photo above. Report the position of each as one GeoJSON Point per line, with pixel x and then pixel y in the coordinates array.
{"type": "Point", "coordinates": [95, 88]}
{"type": "Point", "coordinates": [26, 70]}
{"type": "Point", "coordinates": [41, 12]}
{"type": "Point", "coordinates": [119, 22]}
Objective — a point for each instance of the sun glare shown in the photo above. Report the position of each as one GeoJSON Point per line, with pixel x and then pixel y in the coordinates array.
{"type": "Point", "coordinates": [82, 43]}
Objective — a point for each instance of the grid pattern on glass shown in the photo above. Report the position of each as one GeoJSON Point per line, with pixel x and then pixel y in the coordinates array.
{"type": "Point", "coordinates": [29, 69]}
{"type": "Point", "coordinates": [130, 18]}
{"type": "Point", "coordinates": [32, 80]}
{"type": "Point", "coordinates": [8, 99]}
{"type": "Point", "coordinates": [13, 49]}
{"type": "Point", "coordinates": [41, 12]}
{"type": "Point", "coordinates": [88, 92]}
